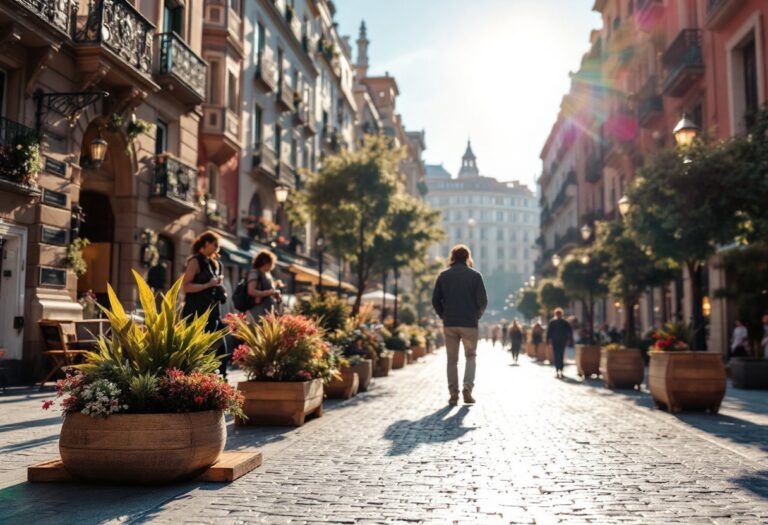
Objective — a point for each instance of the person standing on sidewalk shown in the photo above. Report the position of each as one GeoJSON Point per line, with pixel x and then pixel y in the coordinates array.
{"type": "Point", "coordinates": [459, 299]}
{"type": "Point", "coordinates": [559, 333]}
{"type": "Point", "coordinates": [504, 334]}
{"type": "Point", "coordinates": [516, 338]}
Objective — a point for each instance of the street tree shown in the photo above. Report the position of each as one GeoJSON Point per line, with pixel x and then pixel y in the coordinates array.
{"type": "Point", "coordinates": [424, 281]}
{"type": "Point", "coordinates": [528, 304]}
{"type": "Point", "coordinates": [582, 274]}
{"type": "Point", "coordinates": [552, 295]}
{"type": "Point", "coordinates": [349, 200]}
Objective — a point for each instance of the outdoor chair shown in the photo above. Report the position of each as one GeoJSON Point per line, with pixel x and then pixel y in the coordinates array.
{"type": "Point", "coordinates": [58, 337]}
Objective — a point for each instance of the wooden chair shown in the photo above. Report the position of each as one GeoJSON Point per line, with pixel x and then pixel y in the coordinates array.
{"type": "Point", "coordinates": [58, 335]}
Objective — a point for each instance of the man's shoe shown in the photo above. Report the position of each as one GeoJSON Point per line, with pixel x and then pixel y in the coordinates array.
{"type": "Point", "coordinates": [453, 400]}
{"type": "Point", "coordinates": [468, 399]}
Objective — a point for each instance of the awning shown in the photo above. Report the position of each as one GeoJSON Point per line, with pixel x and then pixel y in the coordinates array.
{"type": "Point", "coordinates": [231, 253]}
{"type": "Point", "coordinates": [375, 297]}
{"type": "Point", "coordinates": [312, 276]}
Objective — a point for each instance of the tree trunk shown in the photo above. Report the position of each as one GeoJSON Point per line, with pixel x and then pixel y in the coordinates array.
{"type": "Point", "coordinates": [588, 314]}
{"type": "Point", "coordinates": [394, 314]}
{"type": "Point", "coordinates": [383, 296]}
{"type": "Point", "coordinates": [695, 272]}
{"type": "Point", "coordinates": [361, 274]}
{"type": "Point", "coordinates": [629, 320]}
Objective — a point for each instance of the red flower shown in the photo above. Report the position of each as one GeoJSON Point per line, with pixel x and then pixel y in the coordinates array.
{"type": "Point", "coordinates": [199, 400]}
{"type": "Point", "coordinates": [47, 404]}
{"type": "Point", "coordinates": [232, 320]}
{"type": "Point", "coordinates": [240, 352]}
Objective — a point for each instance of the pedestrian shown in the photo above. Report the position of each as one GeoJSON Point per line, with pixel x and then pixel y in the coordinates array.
{"type": "Point", "coordinates": [764, 341]}
{"type": "Point", "coordinates": [516, 339]}
{"type": "Point", "coordinates": [559, 334]}
{"type": "Point", "coordinates": [504, 334]}
{"type": "Point", "coordinates": [740, 340]}
{"type": "Point", "coordinates": [459, 299]}
{"type": "Point", "coordinates": [203, 288]}
{"type": "Point", "coordinates": [494, 335]}
{"type": "Point", "coordinates": [262, 286]}
{"type": "Point", "coordinates": [537, 334]}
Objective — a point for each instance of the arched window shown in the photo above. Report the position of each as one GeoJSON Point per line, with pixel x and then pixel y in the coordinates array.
{"type": "Point", "coordinates": [160, 276]}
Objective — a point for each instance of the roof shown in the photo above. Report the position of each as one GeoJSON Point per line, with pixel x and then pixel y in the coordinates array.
{"type": "Point", "coordinates": [437, 171]}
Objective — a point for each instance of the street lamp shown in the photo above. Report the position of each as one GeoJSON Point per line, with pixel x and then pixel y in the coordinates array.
{"type": "Point", "coordinates": [685, 131]}
{"type": "Point", "coordinates": [586, 232]}
{"type": "Point", "coordinates": [98, 150]}
{"type": "Point", "coordinates": [556, 260]}
{"type": "Point", "coordinates": [319, 243]}
{"type": "Point", "coordinates": [585, 259]}
{"type": "Point", "coordinates": [624, 205]}
{"type": "Point", "coordinates": [281, 194]}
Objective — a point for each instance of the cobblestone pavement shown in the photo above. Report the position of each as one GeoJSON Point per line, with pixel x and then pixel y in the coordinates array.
{"type": "Point", "coordinates": [532, 450]}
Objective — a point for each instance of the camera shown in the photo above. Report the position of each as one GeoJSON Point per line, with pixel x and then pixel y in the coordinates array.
{"type": "Point", "coordinates": [218, 293]}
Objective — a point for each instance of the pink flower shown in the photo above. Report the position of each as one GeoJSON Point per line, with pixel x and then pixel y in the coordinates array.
{"type": "Point", "coordinates": [232, 320]}
{"type": "Point", "coordinates": [199, 400]}
{"type": "Point", "coordinates": [240, 352]}
{"type": "Point", "coordinates": [303, 375]}
{"type": "Point", "coordinates": [47, 404]}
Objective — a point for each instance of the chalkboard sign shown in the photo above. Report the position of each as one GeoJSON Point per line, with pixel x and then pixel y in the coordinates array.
{"type": "Point", "coordinates": [54, 198]}
{"type": "Point", "coordinates": [53, 277]}
{"type": "Point", "coordinates": [53, 235]}
{"type": "Point", "coordinates": [55, 167]}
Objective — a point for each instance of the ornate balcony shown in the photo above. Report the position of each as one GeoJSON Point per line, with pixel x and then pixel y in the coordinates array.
{"type": "Point", "coordinates": [286, 174]}
{"type": "Point", "coordinates": [220, 20]}
{"type": "Point", "coordinates": [266, 74]}
{"type": "Point", "coordinates": [649, 14]}
{"type": "Point", "coordinates": [651, 103]}
{"type": "Point", "coordinates": [311, 127]}
{"type": "Point", "coordinates": [220, 133]}
{"type": "Point", "coordinates": [114, 33]}
{"type": "Point", "coordinates": [14, 175]}
{"type": "Point", "coordinates": [719, 12]}
{"type": "Point", "coordinates": [56, 13]}
{"type": "Point", "coordinates": [175, 185]}
{"type": "Point", "coordinates": [180, 70]}
{"type": "Point", "coordinates": [265, 159]}
{"type": "Point", "coordinates": [683, 62]}
{"type": "Point", "coordinates": [285, 96]}
{"type": "Point", "coordinates": [301, 115]}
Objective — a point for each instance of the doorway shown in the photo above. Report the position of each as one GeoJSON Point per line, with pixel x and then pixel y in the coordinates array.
{"type": "Point", "coordinates": [99, 228]}
{"type": "Point", "coordinates": [13, 247]}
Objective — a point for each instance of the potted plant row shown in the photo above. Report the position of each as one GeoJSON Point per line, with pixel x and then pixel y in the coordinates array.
{"type": "Point", "coordinates": [397, 343]}
{"type": "Point", "coordinates": [587, 359]}
{"type": "Point", "coordinates": [681, 379]}
{"type": "Point", "coordinates": [621, 367]}
{"type": "Point", "coordinates": [146, 406]}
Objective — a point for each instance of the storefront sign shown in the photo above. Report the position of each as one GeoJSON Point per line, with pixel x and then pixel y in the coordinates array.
{"type": "Point", "coordinates": [53, 277]}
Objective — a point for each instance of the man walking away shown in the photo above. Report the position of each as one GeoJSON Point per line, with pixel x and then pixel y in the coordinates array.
{"type": "Point", "coordinates": [459, 299]}
{"type": "Point", "coordinates": [559, 333]}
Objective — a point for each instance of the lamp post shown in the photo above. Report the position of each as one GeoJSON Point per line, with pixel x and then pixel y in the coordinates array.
{"type": "Point", "coordinates": [319, 243]}
{"type": "Point", "coordinates": [624, 205]}
{"type": "Point", "coordinates": [586, 232]}
{"type": "Point", "coordinates": [556, 260]}
{"type": "Point", "coordinates": [685, 131]}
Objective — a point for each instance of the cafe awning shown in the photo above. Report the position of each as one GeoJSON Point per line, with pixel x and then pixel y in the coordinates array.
{"type": "Point", "coordinates": [231, 253]}
{"type": "Point", "coordinates": [312, 276]}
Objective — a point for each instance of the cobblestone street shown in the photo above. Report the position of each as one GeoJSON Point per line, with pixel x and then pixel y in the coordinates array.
{"type": "Point", "coordinates": [533, 450]}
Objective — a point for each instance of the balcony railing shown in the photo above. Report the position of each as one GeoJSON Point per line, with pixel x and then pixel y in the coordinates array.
{"type": "Point", "coordinates": [651, 103]}
{"type": "Point", "coordinates": [594, 169]}
{"type": "Point", "coordinates": [175, 184]}
{"type": "Point", "coordinates": [17, 144]}
{"type": "Point", "coordinates": [178, 61]}
{"type": "Point", "coordinates": [117, 25]}
{"type": "Point", "coordinates": [216, 213]}
{"type": "Point", "coordinates": [54, 12]}
{"type": "Point", "coordinates": [265, 73]}
{"type": "Point", "coordinates": [265, 159]}
{"type": "Point", "coordinates": [720, 11]}
{"type": "Point", "coordinates": [301, 115]}
{"type": "Point", "coordinates": [683, 62]}
{"type": "Point", "coordinates": [563, 194]}
{"type": "Point", "coordinates": [648, 14]}
{"type": "Point", "coordinates": [285, 96]}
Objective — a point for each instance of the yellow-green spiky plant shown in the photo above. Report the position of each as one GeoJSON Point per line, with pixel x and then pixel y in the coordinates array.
{"type": "Point", "coordinates": [165, 340]}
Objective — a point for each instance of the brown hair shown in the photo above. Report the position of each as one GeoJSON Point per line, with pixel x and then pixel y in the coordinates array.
{"type": "Point", "coordinates": [203, 239]}
{"type": "Point", "coordinates": [461, 254]}
{"type": "Point", "coordinates": [262, 258]}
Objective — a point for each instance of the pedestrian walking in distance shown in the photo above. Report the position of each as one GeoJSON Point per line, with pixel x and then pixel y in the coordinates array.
{"type": "Point", "coordinates": [559, 334]}
{"type": "Point", "coordinates": [494, 335]}
{"type": "Point", "coordinates": [516, 340]}
{"type": "Point", "coordinates": [504, 334]}
{"type": "Point", "coordinates": [459, 299]}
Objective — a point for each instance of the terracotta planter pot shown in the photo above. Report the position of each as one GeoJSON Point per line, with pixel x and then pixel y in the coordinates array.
{"type": "Point", "coordinates": [383, 366]}
{"type": "Point", "coordinates": [687, 380]}
{"type": "Point", "coordinates": [530, 350]}
{"type": "Point", "coordinates": [541, 352]}
{"type": "Point", "coordinates": [550, 354]}
{"type": "Point", "coordinates": [587, 360]}
{"type": "Point", "coordinates": [418, 352]}
{"type": "Point", "coordinates": [280, 403]}
{"type": "Point", "coordinates": [343, 388]}
{"type": "Point", "coordinates": [751, 373]}
{"type": "Point", "coordinates": [399, 359]}
{"type": "Point", "coordinates": [364, 372]}
{"type": "Point", "coordinates": [622, 368]}
{"type": "Point", "coordinates": [141, 448]}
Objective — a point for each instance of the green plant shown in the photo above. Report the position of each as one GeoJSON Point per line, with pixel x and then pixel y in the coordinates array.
{"type": "Point", "coordinates": [327, 310]}
{"type": "Point", "coordinates": [21, 160]}
{"type": "Point", "coordinates": [75, 258]}
{"type": "Point", "coordinates": [395, 343]}
{"type": "Point", "coordinates": [674, 335]}
{"type": "Point", "coordinates": [613, 346]}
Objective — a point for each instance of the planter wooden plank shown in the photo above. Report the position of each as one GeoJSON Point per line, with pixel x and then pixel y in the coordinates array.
{"type": "Point", "coordinates": [51, 471]}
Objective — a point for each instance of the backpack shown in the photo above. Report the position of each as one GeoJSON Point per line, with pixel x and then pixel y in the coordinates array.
{"type": "Point", "coordinates": [240, 299]}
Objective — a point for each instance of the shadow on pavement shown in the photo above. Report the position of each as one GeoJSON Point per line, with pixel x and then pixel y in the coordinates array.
{"type": "Point", "coordinates": [407, 435]}
{"type": "Point", "coordinates": [756, 483]}
{"type": "Point", "coordinates": [30, 423]}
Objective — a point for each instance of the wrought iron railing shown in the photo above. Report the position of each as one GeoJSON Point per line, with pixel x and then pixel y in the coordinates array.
{"type": "Point", "coordinates": [175, 180]}
{"type": "Point", "coordinates": [117, 25]}
{"type": "Point", "coordinates": [56, 12]}
{"type": "Point", "coordinates": [178, 59]}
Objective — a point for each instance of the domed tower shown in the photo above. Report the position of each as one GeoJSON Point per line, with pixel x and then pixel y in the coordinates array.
{"type": "Point", "coordinates": [469, 163]}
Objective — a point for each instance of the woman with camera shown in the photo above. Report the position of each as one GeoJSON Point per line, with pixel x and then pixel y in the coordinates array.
{"type": "Point", "coordinates": [202, 285]}
{"type": "Point", "coordinates": [261, 286]}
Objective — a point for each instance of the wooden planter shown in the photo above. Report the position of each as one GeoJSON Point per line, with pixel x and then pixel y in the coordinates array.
{"type": "Point", "coordinates": [383, 366]}
{"type": "Point", "coordinates": [530, 350]}
{"type": "Point", "coordinates": [399, 359]}
{"type": "Point", "coordinates": [622, 368]}
{"type": "Point", "coordinates": [364, 372]}
{"type": "Point", "coordinates": [587, 360]}
{"type": "Point", "coordinates": [686, 380]}
{"type": "Point", "coordinates": [418, 352]}
{"type": "Point", "coordinates": [343, 388]}
{"type": "Point", "coordinates": [751, 373]}
{"type": "Point", "coordinates": [280, 403]}
{"type": "Point", "coordinates": [141, 448]}
{"type": "Point", "coordinates": [550, 354]}
{"type": "Point", "coordinates": [541, 352]}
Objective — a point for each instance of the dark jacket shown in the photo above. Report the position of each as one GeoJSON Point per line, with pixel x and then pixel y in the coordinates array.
{"type": "Point", "coordinates": [459, 296]}
{"type": "Point", "coordinates": [559, 332]}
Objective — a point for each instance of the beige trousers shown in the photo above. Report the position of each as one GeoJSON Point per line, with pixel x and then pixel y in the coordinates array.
{"type": "Point", "coordinates": [453, 336]}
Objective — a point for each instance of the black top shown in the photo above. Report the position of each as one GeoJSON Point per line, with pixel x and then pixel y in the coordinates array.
{"type": "Point", "coordinates": [559, 332]}
{"type": "Point", "coordinates": [516, 337]}
{"type": "Point", "coordinates": [199, 302]}
{"type": "Point", "coordinates": [459, 297]}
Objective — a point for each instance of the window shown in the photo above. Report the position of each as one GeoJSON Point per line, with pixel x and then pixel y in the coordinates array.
{"type": "Point", "coordinates": [279, 67]}
{"type": "Point", "coordinates": [483, 252]}
{"type": "Point", "coordinates": [259, 44]}
{"type": "Point", "coordinates": [525, 236]}
{"type": "Point", "coordinates": [500, 252]}
{"type": "Point", "coordinates": [499, 234]}
{"type": "Point", "coordinates": [214, 180]}
{"type": "Point", "coordinates": [2, 93]}
{"type": "Point", "coordinates": [749, 59]}
{"type": "Point", "coordinates": [512, 236]}
{"type": "Point", "coordinates": [278, 141]}
{"type": "Point", "coordinates": [161, 137]}
{"type": "Point", "coordinates": [159, 275]}
{"type": "Point", "coordinates": [257, 123]}
{"type": "Point", "coordinates": [213, 81]}
{"type": "Point", "coordinates": [234, 5]}
{"type": "Point", "coordinates": [294, 151]}
{"type": "Point", "coordinates": [483, 234]}
{"type": "Point", "coordinates": [173, 18]}
{"type": "Point", "coordinates": [232, 92]}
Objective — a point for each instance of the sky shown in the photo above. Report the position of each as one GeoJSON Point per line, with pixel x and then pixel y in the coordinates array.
{"type": "Point", "coordinates": [494, 71]}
